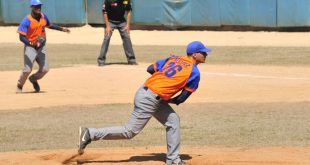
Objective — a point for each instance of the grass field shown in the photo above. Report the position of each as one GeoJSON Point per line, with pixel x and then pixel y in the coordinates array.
{"type": "Point", "coordinates": [224, 125]}
{"type": "Point", "coordinates": [68, 55]}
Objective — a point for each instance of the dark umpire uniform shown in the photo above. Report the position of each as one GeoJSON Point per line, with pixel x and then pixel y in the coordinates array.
{"type": "Point", "coordinates": [113, 13]}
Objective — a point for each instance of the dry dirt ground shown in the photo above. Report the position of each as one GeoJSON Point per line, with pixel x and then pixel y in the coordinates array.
{"type": "Point", "coordinates": [81, 85]}
{"type": "Point", "coordinates": [155, 155]}
{"type": "Point", "coordinates": [219, 83]}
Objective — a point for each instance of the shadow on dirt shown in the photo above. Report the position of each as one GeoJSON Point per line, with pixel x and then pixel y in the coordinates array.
{"type": "Point", "coordinates": [116, 63]}
{"type": "Point", "coordinates": [150, 157]}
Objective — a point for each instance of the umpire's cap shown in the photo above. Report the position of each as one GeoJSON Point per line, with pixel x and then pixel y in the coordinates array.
{"type": "Point", "coordinates": [195, 47]}
{"type": "Point", "coordinates": [35, 2]}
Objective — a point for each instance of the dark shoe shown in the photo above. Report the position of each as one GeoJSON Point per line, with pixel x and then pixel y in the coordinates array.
{"type": "Point", "coordinates": [180, 163]}
{"type": "Point", "coordinates": [183, 163]}
{"type": "Point", "coordinates": [132, 63]}
{"type": "Point", "coordinates": [35, 84]}
{"type": "Point", "coordinates": [84, 139]}
{"type": "Point", "coordinates": [19, 89]}
{"type": "Point", "coordinates": [101, 64]}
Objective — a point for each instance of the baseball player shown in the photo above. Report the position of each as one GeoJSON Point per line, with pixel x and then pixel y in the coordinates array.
{"type": "Point", "coordinates": [169, 76]}
{"type": "Point", "coordinates": [32, 33]}
{"type": "Point", "coordinates": [113, 14]}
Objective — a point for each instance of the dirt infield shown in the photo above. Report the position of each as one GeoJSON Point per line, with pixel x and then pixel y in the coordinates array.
{"type": "Point", "coordinates": [79, 85]}
{"type": "Point", "coordinates": [91, 35]}
{"type": "Point", "coordinates": [156, 156]}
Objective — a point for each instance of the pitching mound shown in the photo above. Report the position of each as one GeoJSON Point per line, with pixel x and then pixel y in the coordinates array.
{"type": "Point", "coordinates": [156, 156]}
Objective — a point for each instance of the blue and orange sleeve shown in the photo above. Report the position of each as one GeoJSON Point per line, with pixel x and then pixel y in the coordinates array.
{"type": "Point", "coordinates": [193, 80]}
{"type": "Point", "coordinates": [160, 63]}
{"type": "Point", "coordinates": [157, 66]}
{"type": "Point", "coordinates": [23, 27]}
{"type": "Point", "coordinates": [48, 23]}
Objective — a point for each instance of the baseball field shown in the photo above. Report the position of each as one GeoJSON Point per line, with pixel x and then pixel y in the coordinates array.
{"type": "Point", "coordinates": [252, 106]}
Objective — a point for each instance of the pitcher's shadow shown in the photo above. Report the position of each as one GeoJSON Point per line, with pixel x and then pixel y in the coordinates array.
{"type": "Point", "coordinates": [161, 157]}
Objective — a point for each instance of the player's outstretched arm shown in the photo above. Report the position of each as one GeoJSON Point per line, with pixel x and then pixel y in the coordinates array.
{"type": "Point", "coordinates": [59, 28]}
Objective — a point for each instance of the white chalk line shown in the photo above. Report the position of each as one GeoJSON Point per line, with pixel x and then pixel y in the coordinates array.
{"type": "Point", "coordinates": [253, 76]}
{"type": "Point", "coordinates": [237, 75]}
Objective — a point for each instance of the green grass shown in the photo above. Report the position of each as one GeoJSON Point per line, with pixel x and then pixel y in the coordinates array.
{"type": "Point", "coordinates": [229, 124]}
{"type": "Point", "coordinates": [67, 55]}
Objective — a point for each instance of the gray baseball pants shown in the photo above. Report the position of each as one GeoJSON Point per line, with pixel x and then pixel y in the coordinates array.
{"type": "Point", "coordinates": [126, 43]}
{"type": "Point", "coordinates": [30, 56]}
{"type": "Point", "coordinates": [146, 105]}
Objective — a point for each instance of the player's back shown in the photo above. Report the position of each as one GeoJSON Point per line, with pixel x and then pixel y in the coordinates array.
{"type": "Point", "coordinates": [171, 76]}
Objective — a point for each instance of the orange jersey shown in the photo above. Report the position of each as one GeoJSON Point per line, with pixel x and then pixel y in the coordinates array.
{"type": "Point", "coordinates": [172, 75]}
{"type": "Point", "coordinates": [32, 28]}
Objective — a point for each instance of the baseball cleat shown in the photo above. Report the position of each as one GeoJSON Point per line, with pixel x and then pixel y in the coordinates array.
{"type": "Point", "coordinates": [19, 89]}
{"type": "Point", "coordinates": [132, 63]}
{"type": "Point", "coordinates": [84, 139]}
{"type": "Point", "coordinates": [35, 84]}
{"type": "Point", "coordinates": [180, 163]}
{"type": "Point", "coordinates": [101, 64]}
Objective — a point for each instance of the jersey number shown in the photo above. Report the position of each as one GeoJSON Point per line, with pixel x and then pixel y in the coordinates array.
{"type": "Point", "coordinates": [172, 69]}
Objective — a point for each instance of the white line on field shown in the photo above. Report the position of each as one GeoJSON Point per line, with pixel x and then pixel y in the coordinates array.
{"type": "Point", "coordinates": [253, 76]}
{"type": "Point", "coordinates": [238, 75]}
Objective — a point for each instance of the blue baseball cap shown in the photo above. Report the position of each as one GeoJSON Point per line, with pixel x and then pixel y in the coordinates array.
{"type": "Point", "coordinates": [35, 2]}
{"type": "Point", "coordinates": [195, 47]}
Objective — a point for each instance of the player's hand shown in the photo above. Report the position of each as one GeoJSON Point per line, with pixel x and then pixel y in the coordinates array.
{"type": "Point", "coordinates": [66, 30]}
{"type": "Point", "coordinates": [108, 30]}
{"type": "Point", "coordinates": [36, 45]}
{"type": "Point", "coordinates": [127, 29]}
{"type": "Point", "coordinates": [40, 42]}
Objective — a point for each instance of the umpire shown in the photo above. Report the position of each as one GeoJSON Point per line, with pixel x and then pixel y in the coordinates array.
{"type": "Point", "coordinates": [114, 17]}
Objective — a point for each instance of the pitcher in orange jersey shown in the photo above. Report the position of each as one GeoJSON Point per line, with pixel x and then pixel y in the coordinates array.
{"type": "Point", "coordinates": [169, 76]}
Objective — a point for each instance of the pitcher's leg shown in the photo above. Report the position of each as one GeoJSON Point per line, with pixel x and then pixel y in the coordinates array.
{"type": "Point", "coordinates": [127, 45]}
{"type": "Point", "coordinates": [128, 131]}
{"type": "Point", "coordinates": [135, 124]}
{"type": "Point", "coordinates": [143, 111]}
{"type": "Point", "coordinates": [169, 118]}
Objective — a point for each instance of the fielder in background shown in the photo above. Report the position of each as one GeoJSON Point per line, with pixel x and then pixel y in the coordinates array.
{"type": "Point", "coordinates": [114, 17]}
{"type": "Point", "coordinates": [32, 33]}
{"type": "Point", "coordinates": [168, 77]}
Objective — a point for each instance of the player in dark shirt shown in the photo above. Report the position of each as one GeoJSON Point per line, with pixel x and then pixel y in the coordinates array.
{"type": "Point", "coordinates": [114, 12]}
